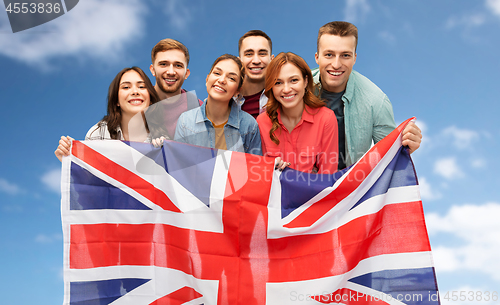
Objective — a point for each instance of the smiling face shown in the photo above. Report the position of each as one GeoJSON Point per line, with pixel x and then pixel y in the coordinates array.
{"type": "Point", "coordinates": [133, 96]}
{"type": "Point", "coordinates": [336, 56]}
{"type": "Point", "coordinates": [289, 88]}
{"type": "Point", "coordinates": [255, 54]}
{"type": "Point", "coordinates": [170, 70]}
{"type": "Point", "coordinates": [223, 81]}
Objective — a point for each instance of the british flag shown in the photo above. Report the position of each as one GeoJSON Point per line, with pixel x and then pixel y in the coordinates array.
{"type": "Point", "coordinates": [190, 225]}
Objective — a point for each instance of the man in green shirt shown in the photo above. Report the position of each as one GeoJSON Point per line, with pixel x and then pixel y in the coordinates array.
{"type": "Point", "coordinates": [364, 113]}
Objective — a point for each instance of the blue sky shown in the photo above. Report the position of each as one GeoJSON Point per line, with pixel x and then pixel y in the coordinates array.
{"type": "Point", "coordinates": [436, 60]}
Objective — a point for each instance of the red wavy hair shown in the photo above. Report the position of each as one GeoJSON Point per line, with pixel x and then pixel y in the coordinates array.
{"type": "Point", "coordinates": [273, 70]}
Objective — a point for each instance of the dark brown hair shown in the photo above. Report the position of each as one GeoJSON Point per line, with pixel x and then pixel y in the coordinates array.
{"type": "Point", "coordinates": [273, 70]}
{"type": "Point", "coordinates": [255, 33]}
{"type": "Point", "coordinates": [236, 60]}
{"type": "Point", "coordinates": [113, 117]}
{"type": "Point", "coordinates": [339, 28]}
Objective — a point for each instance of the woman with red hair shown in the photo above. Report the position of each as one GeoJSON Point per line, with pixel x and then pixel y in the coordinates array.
{"type": "Point", "coordinates": [296, 128]}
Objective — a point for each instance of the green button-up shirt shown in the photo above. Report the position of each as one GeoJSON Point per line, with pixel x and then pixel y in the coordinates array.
{"type": "Point", "coordinates": [367, 112]}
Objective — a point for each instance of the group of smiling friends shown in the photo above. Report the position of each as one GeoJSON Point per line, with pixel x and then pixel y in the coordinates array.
{"type": "Point", "coordinates": [317, 121]}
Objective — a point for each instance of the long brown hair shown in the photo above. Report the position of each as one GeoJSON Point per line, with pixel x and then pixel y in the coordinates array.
{"type": "Point", "coordinates": [238, 63]}
{"type": "Point", "coordinates": [113, 117]}
{"type": "Point", "coordinates": [273, 70]}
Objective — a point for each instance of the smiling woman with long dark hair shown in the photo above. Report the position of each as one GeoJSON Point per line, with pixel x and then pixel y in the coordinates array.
{"type": "Point", "coordinates": [129, 94]}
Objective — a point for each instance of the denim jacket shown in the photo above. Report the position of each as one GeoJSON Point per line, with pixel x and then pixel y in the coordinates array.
{"type": "Point", "coordinates": [241, 130]}
{"type": "Point", "coordinates": [368, 114]}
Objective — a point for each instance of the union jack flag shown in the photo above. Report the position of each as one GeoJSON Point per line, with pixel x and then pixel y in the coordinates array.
{"type": "Point", "coordinates": [190, 225]}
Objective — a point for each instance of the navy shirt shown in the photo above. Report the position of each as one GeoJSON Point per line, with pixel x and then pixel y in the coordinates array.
{"type": "Point", "coordinates": [334, 102]}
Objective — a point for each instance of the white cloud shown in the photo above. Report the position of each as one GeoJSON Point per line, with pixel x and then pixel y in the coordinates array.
{"type": "Point", "coordinates": [462, 138]}
{"type": "Point", "coordinates": [387, 37]}
{"type": "Point", "coordinates": [466, 21]}
{"type": "Point", "coordinates": [426, 139]}
{"type": "Point", "coordinates": [494, 6]}
{"type": "Point", "coordinates": [448, 168]}
{"type": "Point", "coordinates": [355, 10]}
{"type": "Point", "coordinates": [93, 28]}
{"type": "Point", "coordinates": [476, 19]}
{"type": "Point", "coordinates": [478, 228]}
{"type": "Point", "coordinates": [11, 207]}
{"type": "Point", "coordinates": [422, 125]}
{"type": "Point", "coordinates": [445, 259]}
{"type": "Point", "coordinates": [456, 137]}
{"type": "Point", "coordinates": [478, 163]}
{"type": "Point", "coordinates": [46, 239]}
{"type": "Point", "coordinates": [427, 192]}
{"type": "Point", "coordinates": [52, 179]}
{"type": "Point", "coordinates": [8, 187]}
{"type": "Point", "coordinates": [178, 15]}
{"type": "Point", "coordinates": [472, 296]}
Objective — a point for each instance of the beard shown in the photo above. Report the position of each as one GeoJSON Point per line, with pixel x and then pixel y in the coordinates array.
{"type": "Point", "coordinates": [168, 89]}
